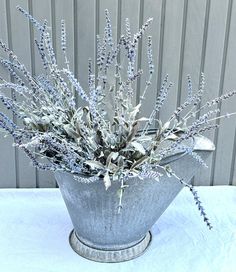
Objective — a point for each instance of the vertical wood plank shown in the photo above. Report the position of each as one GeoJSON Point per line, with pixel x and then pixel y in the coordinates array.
{"type": "Point", "coordinates": [188, 37]}
{"type": "Point", "coordinates": [85, 40]}
{"type": "Point", "coordinates": [193, 48]}
{"type": "Point", "coordinates": [41, 10]}
{"type": "Point", "coordinates": [129, 9]}
{"type": "Point", "coordinates": [7, 152]}
{"type": "Point", "coordinates": [171, 53]}
{"type": "Point", "coordinates": [213, 57]}
{"type": "Point", "coordinates": [112, 7]}
{"type": "Point", "coordinates": [64, 10]}
{"type": "Point", "coordinates": [152, 9]}
{"type": "Point", "coordinates": [26, 174]}
{"type": "Point", "coordinates": [224, 151]}
{"type": "Point", "coordinates": [233, 163]}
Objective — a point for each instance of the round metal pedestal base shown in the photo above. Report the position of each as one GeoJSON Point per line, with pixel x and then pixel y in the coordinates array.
{"type": "Point", "coordinates": [109, 256]}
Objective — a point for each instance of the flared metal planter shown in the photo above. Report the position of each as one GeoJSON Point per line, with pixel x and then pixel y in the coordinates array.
{"type": "Point", "coordinates": [100, 232]}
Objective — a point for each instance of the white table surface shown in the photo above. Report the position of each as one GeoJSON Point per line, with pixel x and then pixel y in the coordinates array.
{"type": "Point", "coordinates": [34, 229]}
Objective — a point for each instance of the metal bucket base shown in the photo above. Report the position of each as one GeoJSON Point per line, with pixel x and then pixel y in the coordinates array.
{"type": "Point", "coordinates": [109, 256]}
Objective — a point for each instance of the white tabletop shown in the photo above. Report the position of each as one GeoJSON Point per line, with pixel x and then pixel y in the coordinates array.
{"type": "Point", "coordinates": [35, 225]}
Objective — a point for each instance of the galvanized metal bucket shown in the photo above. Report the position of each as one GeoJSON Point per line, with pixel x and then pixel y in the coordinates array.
{"type": "Point", "coordinates": [104, 235]}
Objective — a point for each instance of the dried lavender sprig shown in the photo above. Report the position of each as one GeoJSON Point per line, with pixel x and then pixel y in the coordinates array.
{"type": "Point", "coordinates": [103, 53]}
{"type": "Point", "coordinates": [104, 59]}
{"type": "Point", "coordinates": [93, 98]}
{"type": "Point", "coordinates": [159, 102]}
{"type": "Point", "coordinates": [130, 70]}
{"type": "Point", "coordinates": [10, 104]}
{"type": "Point", "coordinates": [115, 51]}
{"type": "Point", "coordinates": [190, 99]}
{"type": "Point", "coordinates": [190, 133]}
{"type": "Point", "coordinates": [227, 115]}
{"type": "Point", "coordinates": [41, 166]}
{"type": "Point", "coordinates": [21, 67]}
{"type": "Point", "coordinates": [127, 30]}
{"type": "Point", "coordinates": [63, 43]}
{"type": "Point", "coordinates": [86, 179]}
{"type": "Point", "coordinates": [120, 206]}
{"type": "Point", "coordinates": [108, 29]}
{"type": "Point", "coordinates": [63, 36]}
{"type": "Point", "coordinates": [76, 85]}
{"type": "Point", "coordinates": [147, 171]}
{"type": "Point", "coordinates": [30, 17]}
{"type": "Point", "coordinates": [98, 48]}
{"type": "Point", "coordinates": [195, 99]}
{"type": "Point", "coordinates": [22, 91]}
{"type": "Point", "coordinates": [190, 88]}
{"type": "Point", "coordinates": [149, 55]}
{"type": "Point", "coordinates": [49, 88]}
{"type": "Point", "coordinates": [190, 151]}
{"type": "Point", "coordinates": [131, 47]}
{"type": "Point", "coordinates": [139, 34]}
{"type": "Point", "coordinates": [9, 66]}
{"type": "Point", "coordinates": [50, 50]}
{"type": "Point", "coordinates": [27, 152]}
{"type": "Point", "coordinates": [8, 120]}
{"type": "Point", "coordinates": [134, 77]}
{"type": "Point", "coordinates": [147, 84]}
{"type": "Point", "coordinates": [203, 119]}
{"type": "Point", "coordinates": [215, 101]}
{"type": "Point", "coordinates": [201, 89]}
{"type": "Point", "coordinates": [90, 75]}
{"type": "Point", "coordinates": [19, 88]}
{"type": "Point", "coordinates": [162, 94]}
{"type": "Point", "coordinates": [195, 196]}
{"type": "Point", "coordinates": [40, 46]}
{"type": "Point", "coordinates": [68, 156]}
{"type": "Point", "coordinates": [198, 158]}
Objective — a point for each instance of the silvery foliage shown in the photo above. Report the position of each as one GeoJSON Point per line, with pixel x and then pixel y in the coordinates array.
{"type": "Point", "coordinates": [107, 138]}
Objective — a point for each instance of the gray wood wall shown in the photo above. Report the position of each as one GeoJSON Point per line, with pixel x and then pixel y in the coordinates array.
{"type": "Point", "coordinates": [189, 36]}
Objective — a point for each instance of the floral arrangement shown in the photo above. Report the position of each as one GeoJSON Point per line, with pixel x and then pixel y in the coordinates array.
{"type": "Point", "coordinates": [106, 138]}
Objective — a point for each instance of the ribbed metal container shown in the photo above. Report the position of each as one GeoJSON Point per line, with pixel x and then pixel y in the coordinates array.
{"type": "Point", "coordinates": [103, 235]}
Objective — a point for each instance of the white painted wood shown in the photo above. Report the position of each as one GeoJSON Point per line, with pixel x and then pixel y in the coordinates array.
{"type": "Point", "coordinates": [60, 7]}
{"type": "Point", "coordinates": [26, 174]}
{"type": "Point", "coordinates": [152, 9]}
{"type": "Point", "coordinates": [171, 52]}
{"type": "Point", "coordinates": [85, 40]}
{"type": "Point", "coordinates": [112, 7]}
{"type": "Point", "coordinates": [192, 45]}
{"type": "Point", "coordinates": [7, 152]}
{"type": "Point", "coordinates": [41, 10]}
{"type": "Point", "coordinates": [193, 50]}
{"type": "Point", "coordinates": [212, 71]}
{"type": "Point", "coordinates": [185, 41]}
{"type": "Point", "coordinates": [233, 163]}
{"type": "Point", "coordinates": [225, 140]}
{"type": "Point", "coordinates": [129, 9]}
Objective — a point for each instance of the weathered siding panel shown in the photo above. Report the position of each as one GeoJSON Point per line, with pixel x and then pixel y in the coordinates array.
{"type": "Point", "coordinates": [189, 37]}
{"type": "Point", "coordinates": [7, 152]}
